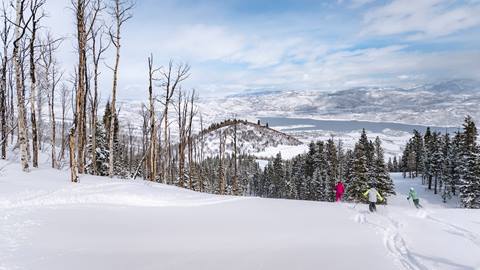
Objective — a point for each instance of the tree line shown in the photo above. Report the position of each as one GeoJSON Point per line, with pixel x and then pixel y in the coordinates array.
{"type": "Point", "coordinates": [448, 164]}
{"type": "Point", "coordinates": [314, 175]}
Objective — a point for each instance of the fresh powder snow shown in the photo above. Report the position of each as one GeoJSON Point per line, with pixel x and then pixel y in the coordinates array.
{"type": "Point", "coordinates": [46, 222]}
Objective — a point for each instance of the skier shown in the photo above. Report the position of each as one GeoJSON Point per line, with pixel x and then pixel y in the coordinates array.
{"type": "Point", "coordinates": [413, 194]}
{"type": "Point", "coordinates": [372, 198]}
{"type": "Point", "coordinates": [340, 189]}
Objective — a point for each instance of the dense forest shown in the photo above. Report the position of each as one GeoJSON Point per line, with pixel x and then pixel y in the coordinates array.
{"type": "Point", "coordinates": [448, 164]}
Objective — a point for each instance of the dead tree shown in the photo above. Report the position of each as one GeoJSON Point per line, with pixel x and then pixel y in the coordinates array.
{"type": "Point", "coordinates": [21, 25]}
{"type": "Point", "coordinates": [120, 12]}
{"type": "Point", "coordinates": [36, 16]}
{"type": "Point", "coordinates": [65, 98]}
{"type": "Point", "coordinates": [52, 78]}
{"type": "Point", "coordinates": [181, 107]}
{"type": "Point", "coordinates": [4, 34]}
{"type": "Point", "coordinates": [152, 160]}
{"type": "Point", "coordinates": [221, 168]}
{"type": "Point", "coordinates": [191, 165]}
{"type": "Point", "coordinates": [172, 77]}
{"type": "Point", "coordinates": [78, 130]}
{"type": "Point", "coordinates": [98, 48]}
{"type": "Point", "coordinates": [235, 188]}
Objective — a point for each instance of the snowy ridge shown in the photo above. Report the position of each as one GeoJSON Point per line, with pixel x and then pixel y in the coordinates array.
{"type": "Point", "coordinates": [251, 138]}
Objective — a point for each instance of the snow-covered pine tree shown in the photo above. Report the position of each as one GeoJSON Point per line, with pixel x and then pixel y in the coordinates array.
{"type": "Point", "coordinates": [384, 183]}
{"type": "Point", "coordinates": [390, 164]}
{"type": "Point", "coordinates": [359, 180]}
{"type": "Point", "coordinates": [309, 160]}
{"type": "Point", "coordinates": [470, 170]}
{"type": "Point", "coordinates": [436, 160]}
{"type": "Point", "coordinates": [332, 170]}
{"type": "Point", "coordinates": [101, 152]}
{"type": "Point", "coordinates": [418, 148]}
{"type": "Point", "coordinates": [456, 161]}
{"type": "Point", "coordinates": [395, 164]}
{"type": "Point", "coordinates": [447, 177]}
{"type": "Point", "coordinates": [278, 181]}
{"type": "Point", "coordinates": [427, 174]}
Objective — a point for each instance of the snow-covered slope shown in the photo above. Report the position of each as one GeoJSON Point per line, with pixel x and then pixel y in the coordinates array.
{"type": "Point", "coordinates": [100, 223]}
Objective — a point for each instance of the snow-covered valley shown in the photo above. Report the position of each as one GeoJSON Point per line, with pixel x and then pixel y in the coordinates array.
{"type": "Point", "coordinates": [46, 222]}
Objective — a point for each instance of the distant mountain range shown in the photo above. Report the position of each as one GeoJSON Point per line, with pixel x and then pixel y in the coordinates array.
{"type": "Point", "coordinates": [441, 104]}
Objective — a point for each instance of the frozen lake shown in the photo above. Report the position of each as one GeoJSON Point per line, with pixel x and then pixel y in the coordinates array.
{"type": "Point", "coordinates": [305, 124]}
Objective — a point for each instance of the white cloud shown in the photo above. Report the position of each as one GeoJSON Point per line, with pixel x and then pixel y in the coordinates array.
{"type": "Point", "coordinates": [202, 42]}
{"type": "Point", "coordinates": [359, 3]}
{"type": "Point", "coordinates": [421, 19]}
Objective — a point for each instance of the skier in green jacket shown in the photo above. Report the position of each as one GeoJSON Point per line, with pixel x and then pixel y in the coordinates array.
{"type": "Point", "coordinates": [413, 194]}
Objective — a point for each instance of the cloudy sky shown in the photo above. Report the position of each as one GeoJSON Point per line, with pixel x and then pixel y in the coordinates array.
{"type": "Point", "coordinates": [237, 45]}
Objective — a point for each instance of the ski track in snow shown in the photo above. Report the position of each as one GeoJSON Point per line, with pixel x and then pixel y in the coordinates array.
{"type": "Point", "coordinates": [392, 239]}
{"type": "Point", "coordinates": [467, 234]}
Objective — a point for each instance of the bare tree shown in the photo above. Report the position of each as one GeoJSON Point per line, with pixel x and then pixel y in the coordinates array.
{"type": "Point", "coordinates": [21, 25]}
{"type": "Point", "coordinates": [52, 78]}
{"type": "Point", "coordinates": [153, 124]}
{"type": "Point", "coordinates": [36, 16]}
{"type": "Point", "coordinates": [121, 12]}
{"type": "Point", "coordinates": [65, 98]}
{"type": "Point", "coordinates": [4, 34]}
{"type": "Point", "coordinates": [98, 49]}
{"type": "Point", "coordinates": [235, 188]}
{"type": "Point", "coordinates": [79, 127]}
{"type": "Point", "coordinates": [221, 157]}
{"type": "Point", "coordinates": [172, 77]}
{"type": "Point", "coordinates": [192, 113]}
{"type": "Point", "coordinates": [181, 108]}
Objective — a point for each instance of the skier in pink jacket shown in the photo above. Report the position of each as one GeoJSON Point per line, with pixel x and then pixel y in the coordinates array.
{"type": "Point", "coordinates": [340, 189]}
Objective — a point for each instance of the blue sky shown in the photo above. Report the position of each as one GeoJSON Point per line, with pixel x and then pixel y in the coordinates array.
{"type": "Point", "coordinates": [235, 45]}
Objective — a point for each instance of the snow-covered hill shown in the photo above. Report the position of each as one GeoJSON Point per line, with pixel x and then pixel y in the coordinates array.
{"type": "Point", "coordinates": [251, 138]}
{"type": "Point", "coordinates": [46, 222]}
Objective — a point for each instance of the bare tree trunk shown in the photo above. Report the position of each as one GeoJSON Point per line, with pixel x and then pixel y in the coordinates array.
{"type": "Point", "coordinates": [73, 164]}
{"type": "Point", "coordinates": [221, 170]}
{"type": "Point", "coordinates": [34, 8]}
{"type": "Point", "coordinates": [3, 85]}
{"type": "Point", "coordinates": [190, 139]}
{"type": "Point", "coordinates": [22, 128]}
{"type": "Point", "coordinates": [79, 127]}
{"type": "Point", "coordinates": [153, 123]}
{"type": "Point", "coordinates": [121, 13]}
{"type": "Point", "coordinates": [64, 97]}
{"type": "Point", "coordinates": [171, 83]}
{"type": "Point", "coordinates": [97, 51]}
{"type": "Point", "coordinates": [235, 188]}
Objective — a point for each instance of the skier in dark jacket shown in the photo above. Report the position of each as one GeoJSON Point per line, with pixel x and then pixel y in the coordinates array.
{"type": "Point", "coordinates": [413, 194]}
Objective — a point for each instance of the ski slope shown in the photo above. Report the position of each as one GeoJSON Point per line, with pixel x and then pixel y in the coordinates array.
{"type": "Point", "coordinates": [100, 223]}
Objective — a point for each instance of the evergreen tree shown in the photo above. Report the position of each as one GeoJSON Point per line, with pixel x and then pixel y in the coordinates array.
{"type": "Point", "coordinates": [278, 181]}
{"type": "Point", "coordinates": [384, 183]}
{"type": "Point", "coordinates": [358, 183]}
{"type": "Point", "coordinates": [470, 170]}
{"type": "Point", "coordinates": [101, 152]}
{"type": "Point", "coordinates": [447, 176]}
{"type": "Point", "coordinates": [331, 176]}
